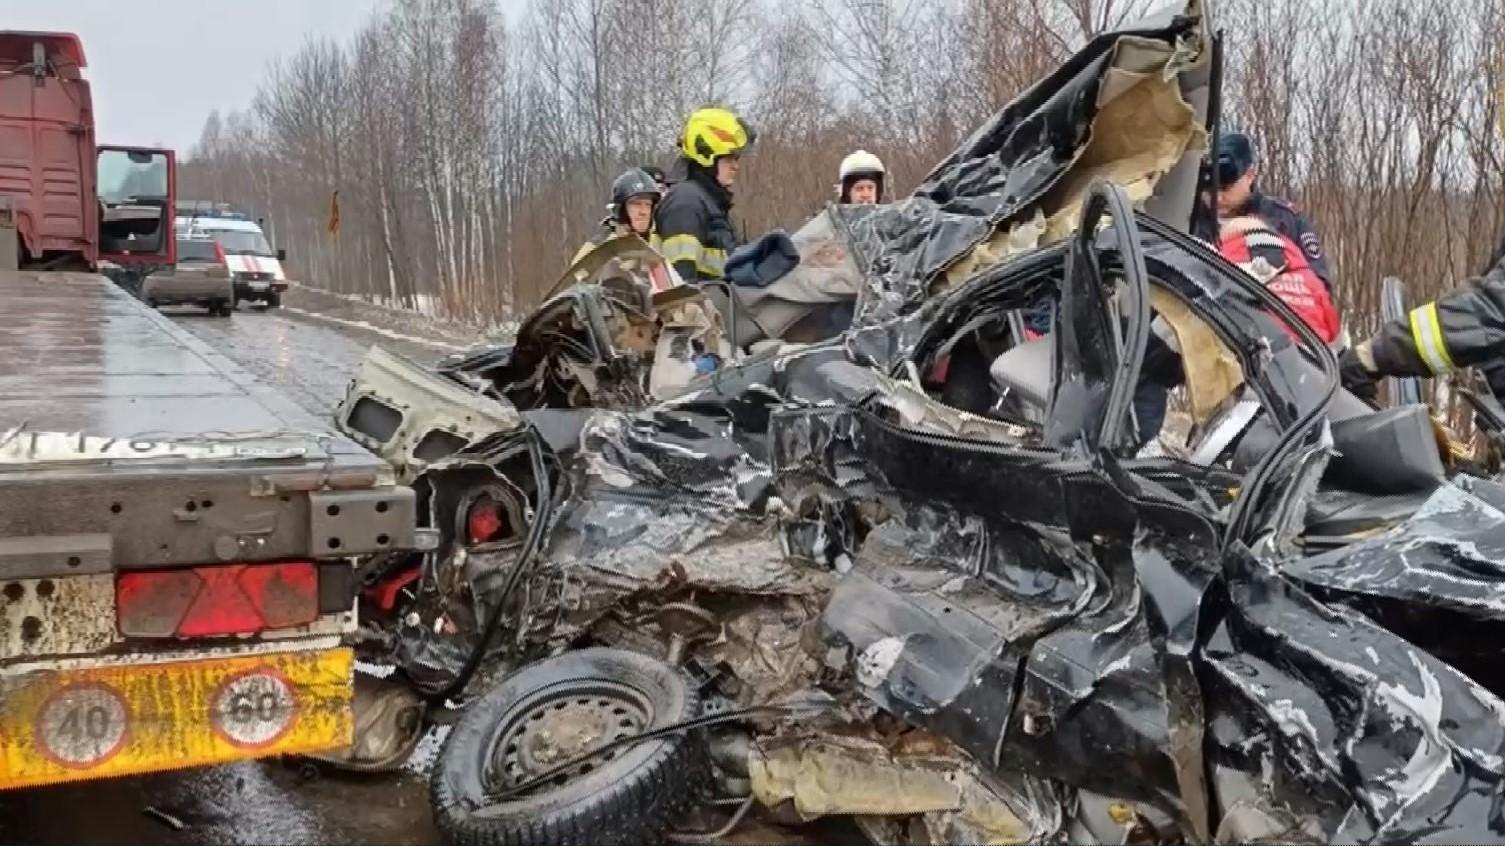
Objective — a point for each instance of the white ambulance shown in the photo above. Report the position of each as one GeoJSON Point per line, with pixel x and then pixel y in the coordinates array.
{"type": "Point", "coordinates": [254, 266]}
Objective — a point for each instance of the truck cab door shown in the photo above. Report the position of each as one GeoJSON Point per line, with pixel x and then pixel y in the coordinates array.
{"type": "Point", "coordinates": [137, 188]}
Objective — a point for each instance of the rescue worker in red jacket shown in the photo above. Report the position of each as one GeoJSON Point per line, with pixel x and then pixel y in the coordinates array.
{"type": "Point", "coordinates": [1462, 328]}
{"type": "Point", "coordinates": [1238, 197]}
{"type": "Point", "coordinates": [1277, 262]}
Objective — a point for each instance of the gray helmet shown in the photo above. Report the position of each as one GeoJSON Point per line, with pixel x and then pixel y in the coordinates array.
{"type": "Point", "coordinates": [634, 183]}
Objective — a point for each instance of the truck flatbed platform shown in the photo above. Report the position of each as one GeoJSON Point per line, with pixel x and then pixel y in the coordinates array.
{"type": "Point", "coordinates": [81, 355]}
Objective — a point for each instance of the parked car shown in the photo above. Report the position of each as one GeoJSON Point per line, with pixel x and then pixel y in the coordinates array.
{"type": "Point", "coordinates": [201, 277]}
{"type": "Point", "coordinates": [256, 268]}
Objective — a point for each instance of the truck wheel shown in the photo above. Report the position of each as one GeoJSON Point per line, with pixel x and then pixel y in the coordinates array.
{"type": "Point", "coordinates": [550, 712]}
{"type": "Point", "coordinates": [274, 300]}
{"type": "Point", "coordinates": [220, 309]}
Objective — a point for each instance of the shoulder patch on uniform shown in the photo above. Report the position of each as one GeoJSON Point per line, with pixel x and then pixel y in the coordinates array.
{"type": "Point", "coordinates": [1311, 244]}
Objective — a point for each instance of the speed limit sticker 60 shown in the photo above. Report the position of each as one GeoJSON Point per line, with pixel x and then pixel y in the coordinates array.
{"type": "Point", "coordinates": [254, 709]}
{"type": "Point", "coordinates": [80, 726]}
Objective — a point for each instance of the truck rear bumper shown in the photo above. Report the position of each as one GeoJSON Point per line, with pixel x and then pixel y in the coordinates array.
{"type": "Point", "coordinates": [122, 715]}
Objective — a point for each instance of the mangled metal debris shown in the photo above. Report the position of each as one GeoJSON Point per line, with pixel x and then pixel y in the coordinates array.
{"type": "Point", "coordinates": [1022, 627]}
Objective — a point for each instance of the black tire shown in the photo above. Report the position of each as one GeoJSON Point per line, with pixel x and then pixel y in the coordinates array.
{"type": "Point", "coordinates": [274, 300]}
{"type": "Point", "coordinates": [632, 795]}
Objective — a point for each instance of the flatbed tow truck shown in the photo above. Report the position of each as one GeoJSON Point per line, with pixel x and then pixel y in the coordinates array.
{"type": "Point", "coordinates": [177, 541]}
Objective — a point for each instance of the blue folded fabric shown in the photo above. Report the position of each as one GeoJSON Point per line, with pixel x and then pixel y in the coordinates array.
{"type": "Point", "coordinates": [1040, 316]}
{"type": "Point", "coordinates": [760, 263]}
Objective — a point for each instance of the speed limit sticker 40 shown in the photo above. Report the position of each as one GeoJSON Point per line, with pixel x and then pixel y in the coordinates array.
{"type": "Point", "coordinates": [83, 725]}
{"type": "Point", "coordinates": [254, 709]}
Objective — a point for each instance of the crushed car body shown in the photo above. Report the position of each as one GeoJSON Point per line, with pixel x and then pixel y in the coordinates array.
{"type": "Point", "coordinates": [923, 572]}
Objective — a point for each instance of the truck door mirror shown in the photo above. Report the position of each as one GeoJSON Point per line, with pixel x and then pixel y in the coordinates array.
{"type": "Point", "coordinates": [281, 255]}
{"type": "Point", "coordinates": [136, 187]}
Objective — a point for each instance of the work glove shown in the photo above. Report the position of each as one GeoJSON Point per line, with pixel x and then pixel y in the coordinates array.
{"type": "Point", "coordinates": [1358, 376]}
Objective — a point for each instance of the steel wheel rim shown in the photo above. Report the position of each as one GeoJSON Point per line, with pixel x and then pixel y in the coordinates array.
{"type": "Point", "coordinates": [559, 724]}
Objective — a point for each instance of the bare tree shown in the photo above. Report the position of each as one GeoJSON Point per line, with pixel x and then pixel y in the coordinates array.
{"type": "Point", "coordinates": [472, 159]}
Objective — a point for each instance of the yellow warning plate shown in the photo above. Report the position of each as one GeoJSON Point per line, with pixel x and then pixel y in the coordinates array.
{"type": "Point", "coordinates": [58, 726]}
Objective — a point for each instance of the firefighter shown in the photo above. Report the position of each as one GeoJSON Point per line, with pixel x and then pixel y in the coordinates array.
{"type": "Point", "coordinates": [1462, 328]}
{"type": "Point", "coordinates": [1237, 197]}
{"type": "Point", "coordinates": [1281, 266]}
{"type": "Point", "coordinates": [634, 195]}
{"type": "Point", "coordinates": [860, 179]}
{"type": "Point", "coordinates": [693, 224]}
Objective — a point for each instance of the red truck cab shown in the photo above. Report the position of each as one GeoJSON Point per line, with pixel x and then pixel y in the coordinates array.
{"type": "Point", "coordinates": [64, 200]}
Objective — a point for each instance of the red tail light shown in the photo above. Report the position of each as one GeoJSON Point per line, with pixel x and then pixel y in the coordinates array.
{"type": "Point", "coordinates": [216, 600]}
{"type": "Point", "coordinates": [486, 521]}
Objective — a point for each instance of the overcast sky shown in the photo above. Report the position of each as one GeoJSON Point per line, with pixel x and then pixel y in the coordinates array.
{"type": "Point", "coordinates": [158, 67]}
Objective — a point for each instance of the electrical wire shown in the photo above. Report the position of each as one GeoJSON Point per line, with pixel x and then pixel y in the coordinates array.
{"type": "Point", "coordinates": [700, 722]}
{"type": "Point", "coordinates": [541, 519]}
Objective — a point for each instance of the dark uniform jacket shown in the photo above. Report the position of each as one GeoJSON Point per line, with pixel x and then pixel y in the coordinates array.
{"type": "Point", "coordinates": [693, 228]}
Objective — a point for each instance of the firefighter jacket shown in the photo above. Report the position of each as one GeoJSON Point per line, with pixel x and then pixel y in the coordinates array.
{"type": "Point", "coordinates": [693, 228]}
{"type": "Point", "coordinates": [1463, 327]}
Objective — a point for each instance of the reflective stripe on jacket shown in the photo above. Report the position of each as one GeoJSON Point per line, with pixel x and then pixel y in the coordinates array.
{"type": "Point", "coordinates": [1462, 328]}
{"type": "Point", "coordinates": [693, 229]}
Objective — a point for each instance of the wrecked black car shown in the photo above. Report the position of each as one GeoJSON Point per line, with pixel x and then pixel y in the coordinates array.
{"type": "Point", "coordinates": [926, 573]}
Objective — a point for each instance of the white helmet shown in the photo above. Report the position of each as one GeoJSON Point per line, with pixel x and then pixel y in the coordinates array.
{"type": "Point", "coordinates": [860, 163]}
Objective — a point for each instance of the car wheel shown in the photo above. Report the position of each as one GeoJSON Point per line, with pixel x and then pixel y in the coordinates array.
{"type": "Point", "coordinates": [274, 301]}
{"type": "Point", "coordinates": [550, 712]}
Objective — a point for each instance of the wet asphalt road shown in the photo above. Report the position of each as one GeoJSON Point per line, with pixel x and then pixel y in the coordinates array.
{"type": "Point", "coordinates": [308, 350]}
{"type": "Point", "coordinates": [310, 359]}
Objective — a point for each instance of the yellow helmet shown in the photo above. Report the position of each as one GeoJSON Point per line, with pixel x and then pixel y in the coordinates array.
{"type": "Point", "coordinates": [712, 133]}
